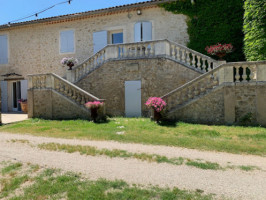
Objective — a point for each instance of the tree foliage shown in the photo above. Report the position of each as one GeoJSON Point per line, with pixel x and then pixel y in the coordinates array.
{"type": "Point", "coordinates": [211, 22]}
{"type": "Point", "coordinates": [255, 30]}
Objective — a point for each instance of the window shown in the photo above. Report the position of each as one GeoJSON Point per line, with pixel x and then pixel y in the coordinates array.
{"type": "Point", "coordinates": [117, 38]}
{"type": "Point", "coordinates": [67, 44]}
{"type": "Point", "coordinates": [143, 31]}
{"type": "Point", "coordinates": [3, 49]}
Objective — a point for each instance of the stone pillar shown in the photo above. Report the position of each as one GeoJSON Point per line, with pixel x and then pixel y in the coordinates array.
{"type": "Point", "coordinates": [111, 52]}
{"type": "Point", "coordinates": [229, 104]}
{"type": "Point", "coordinates": [261, 105]}
{"type": "Point", "coordinates": [226, 74]}
{"type": "Point", "coordinates": [261, 72]}
{"type": "Point", "coordinates": [30, 103]}
{"type": "Point", "coordinates": [71, 76]}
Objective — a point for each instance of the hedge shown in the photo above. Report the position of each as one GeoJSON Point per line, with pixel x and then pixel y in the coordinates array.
{"type": "Point", "coordinates": [211, 22]}
{"type": "Point", "coordinates": [255, 30]}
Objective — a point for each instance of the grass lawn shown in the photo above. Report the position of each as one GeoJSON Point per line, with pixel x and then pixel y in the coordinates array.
{"type": "Point", "coordinates": [28, 182]}
{"type": "Point", "coordinates": [233, 139]}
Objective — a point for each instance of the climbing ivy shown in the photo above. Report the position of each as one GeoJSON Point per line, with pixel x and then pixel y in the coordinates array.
{"type": "Point", "coordinates": [255, 30]}
{"type": "Point", "coordinates": [211, 22]}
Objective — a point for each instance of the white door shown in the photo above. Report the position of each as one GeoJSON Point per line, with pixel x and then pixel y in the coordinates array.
{"type": "Point", "coordinates": [99, 40]}
{"type": "Point", "coordinates": [4, 96]}
{"type": "Point", "coordinates": [133, 98]}
{"type": "Point", "coordinates": [24, 89]}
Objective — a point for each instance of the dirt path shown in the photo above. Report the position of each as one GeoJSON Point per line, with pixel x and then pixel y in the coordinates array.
{"type": "Point", "coordinates": [235, 184]}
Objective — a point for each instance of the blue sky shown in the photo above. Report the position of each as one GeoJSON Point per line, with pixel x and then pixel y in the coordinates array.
{"type": "Point", "coordinates": [15, 9]}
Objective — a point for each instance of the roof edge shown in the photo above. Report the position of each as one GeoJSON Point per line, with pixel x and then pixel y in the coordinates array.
{"type": "Point", "coordinates": [86, 13]}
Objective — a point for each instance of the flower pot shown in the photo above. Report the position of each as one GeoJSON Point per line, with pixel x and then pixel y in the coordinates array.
{"type": "Point", "coordinates": [24, 107]}
{"type": "Point", "coordinates": [70, 65]}
{"type": "Point", "coordinates": [156, 116]}
{"type": "Point", "coordinates": [94, 114]}
{"type": "Point", "coordinates": [220, 55]}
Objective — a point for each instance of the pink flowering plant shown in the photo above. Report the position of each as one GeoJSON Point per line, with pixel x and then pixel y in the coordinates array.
{"type": "Point", "coordinates": [94, 104]}
{"type": "Point", "coordinates": [219, 49]}
{"type": "Point", "coordinates": [157, 103]}
{"type": "Point", "coordinates": [70, 62]}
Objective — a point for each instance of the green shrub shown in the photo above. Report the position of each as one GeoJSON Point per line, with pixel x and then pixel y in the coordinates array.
{"type": "Point", "coordinates": [212, 22]}
{"type": "Point", "coordinates": [255, 30]}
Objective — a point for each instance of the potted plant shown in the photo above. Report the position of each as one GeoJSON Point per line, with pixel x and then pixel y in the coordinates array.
{"type": "Point", "coordinates": [24, 105]}
{"type": "Point", "coordinates": [219, 50]}
{"type": "Point", "coordinates": [94, 107]}
{"type": "Point", "coordinates": [70, 62]}
{"type": "Point", "coordinates": [158, 105]}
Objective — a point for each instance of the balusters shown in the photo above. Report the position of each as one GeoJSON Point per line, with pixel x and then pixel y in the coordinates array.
{"type": "Point", "coordinates": [82, 100]}
{"type": "Point", "coordinates": [187, 57]}
{"type": "Point", "coordinates": [253, 72]}
{"type": "Point", "coordinates": [173, 51]}
{"type": "Point", "coordinates": [178, 53]}
{"type": "Point", "coordinates": [237, 76]}
{"type": "Point", "coordinates": [141, 50]}
{"type": "Point", "coordinates": [244, 76]}
{"type": "Point", "coordinates": [193, 60]}
{"type": "Point", "coordinates": [198, 63]}
{"type": "Point", "coordinates": [152, 50]}
{"type": "Point", "coordinates": [125, 51]}
{"type": "Point", "coordinates": [183, 54]}
{"type": "Point", "coordinates": [204, 65]}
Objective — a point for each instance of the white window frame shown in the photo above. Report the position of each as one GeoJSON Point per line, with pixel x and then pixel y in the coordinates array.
{"type": "Point", "coordinates": [74, 37]}
{"type": "Point", "coordinates": [8, 48]}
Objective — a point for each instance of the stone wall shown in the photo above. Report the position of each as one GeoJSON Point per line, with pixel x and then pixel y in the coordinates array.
{"type": "Point", "coordinates": [237, 103]}
{"type": "Point", "coordinates": [208, 109]}
{"type": "Point", "coordinates": [49, 104]}
{"type": "Point", "coordinates": [34, 49]}
{"type": "Point", "coordinates": [158, 77]}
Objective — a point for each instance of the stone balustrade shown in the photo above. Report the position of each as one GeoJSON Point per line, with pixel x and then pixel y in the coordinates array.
{"type": "Point", "coordinates": [148, 49]}
{"type": "Point", "coordinates": [62, 86]}
{"type": "Point", "coordinates": [230, 73]}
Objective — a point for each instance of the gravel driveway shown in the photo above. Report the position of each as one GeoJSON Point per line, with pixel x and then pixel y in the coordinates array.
{"type": "Point", "coordinates": [236, 184]}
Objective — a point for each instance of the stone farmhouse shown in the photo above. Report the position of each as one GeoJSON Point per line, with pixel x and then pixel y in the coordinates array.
{"type": "Point", "coordinates": [126, 55]}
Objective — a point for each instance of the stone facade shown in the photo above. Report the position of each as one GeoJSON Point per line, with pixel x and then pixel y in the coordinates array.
{"type": "Point", "coordinates": [208, 109]}
{"type": "Point", "coordinates": [158, 76]}
{"type": "Point", "coordinates": [49, 104]}
{"type": "Point", "coordinates": [34, 48]}
{"type": "Point", "coordinates": [244, 105]}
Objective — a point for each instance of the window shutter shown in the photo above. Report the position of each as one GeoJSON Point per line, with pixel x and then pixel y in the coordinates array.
{"type": "Point", "coordinates": [147, 31]}
{"type": "Point", "coordinates": [67, 41]}
{"type": "Point", "coordinates": [3, 49]}
{"type": "Point", "coordinates": [99, 40]}
{"type": "Point", "coordinates": [4, 96]}
{"type": "Point", "coordinates": [24, 89]}
{"type": "Point", "coordinates": [137, 30]}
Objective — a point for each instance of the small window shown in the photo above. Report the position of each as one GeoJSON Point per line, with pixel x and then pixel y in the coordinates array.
{"type": "Point", "coordinates": [117, 38]}
{"type": "Point", "coordinates": [3, 49]}
{"type": "Point", "coordinates": [67, 41]}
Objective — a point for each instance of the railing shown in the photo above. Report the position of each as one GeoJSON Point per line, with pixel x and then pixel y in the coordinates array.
{"type": "Point", "coordinates": [225, 73]}
{"type": "Point", "coordinates": [149, 49]}
{"type": "Point", "coordinates": [55, 82]}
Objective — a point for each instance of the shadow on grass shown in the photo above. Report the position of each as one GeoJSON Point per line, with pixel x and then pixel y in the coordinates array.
{"type": "Point", "coordinates": [168, 123]}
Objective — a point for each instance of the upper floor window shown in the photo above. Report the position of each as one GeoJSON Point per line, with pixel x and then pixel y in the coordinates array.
{"type": "Point", "coordinates": [3, 49]}
{"type": "Point", "coordinates": [67, 44]}
{"type": "Point", "coordinates": [143, 31]}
